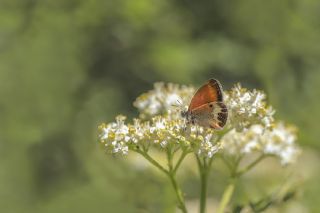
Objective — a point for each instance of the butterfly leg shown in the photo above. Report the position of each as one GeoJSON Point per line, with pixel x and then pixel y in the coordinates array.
{"type": "Point", "coordinates": [184, 128]}
{"type": "Point", "coordinates": [197, 131]}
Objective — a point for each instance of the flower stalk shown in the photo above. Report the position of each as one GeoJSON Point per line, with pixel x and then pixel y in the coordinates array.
{"type": "Point", "coordinates": [179, 195]}
{"type": "Point", "coordinates": [226, 197]}
{"type": "Point", "coordinates": [152, 161]}
{"type": "Point", "coordinates": [251, 165]}
{"type": "Point", "coordinates": [203, 171]}
{"type": "Point", "coordinates": [171, 172]}
{"type": "Point", "coordinates": [181, 158]}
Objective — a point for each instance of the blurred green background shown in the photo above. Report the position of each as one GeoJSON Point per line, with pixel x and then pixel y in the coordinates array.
{"type": "Point", "coordinates": [68, 65]}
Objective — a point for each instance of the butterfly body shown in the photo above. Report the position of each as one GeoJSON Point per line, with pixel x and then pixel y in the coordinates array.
{"type": "Point", "coordinates": [206, 107]}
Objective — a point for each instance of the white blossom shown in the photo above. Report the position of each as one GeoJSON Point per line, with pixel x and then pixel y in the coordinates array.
{"type": "Point", "coordinates": [164, 99]}
{"type": "Point", "coordinates": [115, 136]}
{"type": "Point", "coordinates": [162, 131]}
{"type": "Point", "coordinates": [278, 141]}
{"type": "Point", "coordinates": [247, 108]}
{"type": "Point", "coordinates": [207, 148]}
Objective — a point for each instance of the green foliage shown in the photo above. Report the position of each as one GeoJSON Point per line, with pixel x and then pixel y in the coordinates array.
{"type": "Point", "coordinates": [66, 66]}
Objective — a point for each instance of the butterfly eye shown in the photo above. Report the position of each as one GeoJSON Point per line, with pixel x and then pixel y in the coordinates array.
{"type": "Point", "coordinates": [184, 114]}
{"type": "Point", "coordinates": [210, 105]}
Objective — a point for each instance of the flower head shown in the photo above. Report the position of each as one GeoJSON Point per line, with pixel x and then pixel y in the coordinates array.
{"type": "Point", "coordinates": [247, 108]}
{"type": "Point", "coordinates": [279, 142]}
{"type": "Point", "coordinates": [163, 100]}
{"type": "Point", "coordinates": [160, 132]}
{"type": "Point", "coordinates": [206, 147]}
{"type": "Point", "coordinates": [115, 135]}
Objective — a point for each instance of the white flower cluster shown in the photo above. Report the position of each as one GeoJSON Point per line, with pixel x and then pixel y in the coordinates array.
{"type": "Point", "coordinates": [247, 108]}
{"type": "Point", "coordinates": [161, 132]}
{"type": "Point", "coordinates": [206, 147]}
{"type": "Point", "coordinates": [116, 134]}
{"type": "Point", "coordinates": [278, 141]}
{"type": "Point", "coordinates": [163, 100]}
{"type": "Point", "coordinates": [250, 127]}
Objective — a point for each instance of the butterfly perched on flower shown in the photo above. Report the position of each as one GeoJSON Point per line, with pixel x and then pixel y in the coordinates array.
{"type": "Point", "coordinates": [206, 107]}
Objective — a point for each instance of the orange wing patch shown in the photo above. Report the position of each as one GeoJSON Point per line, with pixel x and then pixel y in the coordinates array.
{"type": "Point", "coordinates": [210, 92]}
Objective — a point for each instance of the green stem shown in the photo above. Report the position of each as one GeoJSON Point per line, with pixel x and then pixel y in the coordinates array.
{"type": "Point", "coordinates": [227, 194]}
{"type": "Point", "coordinates": [178, 192]}
{"type": "Point", "coordinates": [251, 165]}
{"type": "Point", "coordinates": [182, 156]}
{"type": "Point", "coordinates": [203, 170]}
{"type": "Point", "coordinates": [152, 161]}
{"type": "Point", "coordinates": [170, 173]}
{"type": "Point", "coordinates": [203, 195]}
{"type": "Point", "coordinates": [226, 162]}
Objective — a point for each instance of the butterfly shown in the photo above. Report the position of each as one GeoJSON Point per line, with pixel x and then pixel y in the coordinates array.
{"type": "Point", "coordinates": [206, 107]}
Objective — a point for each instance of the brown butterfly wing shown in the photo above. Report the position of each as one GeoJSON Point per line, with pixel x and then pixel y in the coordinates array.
{"type": "Point", "coordinates": [219, 115]}
{"type": "Point", "coordinates": [209, 92]}
{"type": "Point", "coordinates": [211, 115]}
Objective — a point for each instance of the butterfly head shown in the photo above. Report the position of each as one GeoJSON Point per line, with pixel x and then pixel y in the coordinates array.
{"type": "Point", "coordinates": [182, 109]}
{"type": "Point", "coordinates": [184, 113]}
{"type": "Point", "coordinates": [189, 117]}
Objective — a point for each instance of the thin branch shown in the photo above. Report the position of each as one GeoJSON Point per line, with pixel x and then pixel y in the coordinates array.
{"type": "Point", "coordinates": [199, 163]}
{"type": "Point", "coordinates": [152, 161]}
{"type": "Point", "coordinates": [178, 192]}
{"type": "Point", "coordinates": [171, 174]}
{"type": "Point", "coordinates": [203, 170]}
{"type": "Point", "coordinates": [227, 163]}
{"type": "Point", "coordinates": [182, 156]}
{"type": "Point", "coordinates": [226, 197]}
{"type": "Point", "coordinates": [251, 165]}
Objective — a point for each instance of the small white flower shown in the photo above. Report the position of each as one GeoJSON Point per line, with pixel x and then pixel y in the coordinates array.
{"type": "Point", "coordinates": [279, 141]}
{"type": "Point", "coordinates": [247, 108]}
{"type": "Point", "coordinates": [208, 149]}
{"type": "Point", "coordinates": [105, 132]}
{"type": "Point", "coordinates": [164, 100]}
{"type": "Point", "coordinates": [172, 99]}
{"type": "Point", "coordinates": [207, 146]}
{"type": "Point", "coordinates": [289, 155]}
{"type": "Point", "coordinates": [250, 146]}
{"type": "Point", "coordinates": [164, 143]}
{"type": "Point", "coordinates": [114, 136]}
{"type": "Point", "coordinates": [160, 124]}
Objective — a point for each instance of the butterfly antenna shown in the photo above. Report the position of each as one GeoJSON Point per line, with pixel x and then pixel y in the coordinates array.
{"type": "Point", "coordinates": [178, 105]}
